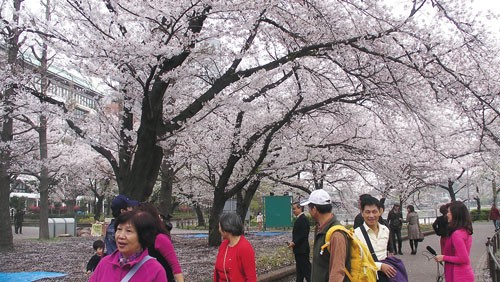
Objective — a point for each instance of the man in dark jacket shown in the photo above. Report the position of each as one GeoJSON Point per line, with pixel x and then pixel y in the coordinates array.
{"type": "Point", "coordinates": [300, 243]}
{"type": "Point", "coordinates": [395, 219]}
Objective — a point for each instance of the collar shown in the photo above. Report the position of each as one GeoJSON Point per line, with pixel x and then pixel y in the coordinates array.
{"type": "Point", "coordinates": [300, 214]}
{"type": "Point", "coordinates": [123, 260]}
{"type": "Point", "coordinates": [368, 228]}
{"type": "Point", "coordinates": [327, 222]}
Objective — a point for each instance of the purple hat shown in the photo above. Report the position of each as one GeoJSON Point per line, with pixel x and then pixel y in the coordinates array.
{"type": "Point", "coordinates": [122, 202]}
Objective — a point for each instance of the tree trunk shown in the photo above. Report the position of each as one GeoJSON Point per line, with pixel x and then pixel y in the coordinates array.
{"type": "Point", "coordinates": [214, 238]}
{"type": "Point", "coordinates": [98, 206]}
{"type": "Point", "coordinates": [244, 201]}
{"type": "Point", "coordinates": [165, 195]}
{"type": "Point", "coordinates": [199, 214]}
{"type": "Point", "coordinates": [6, 132]}
{"type": "Point", "coordinates": [494, 190]}
{"type": "Point", "coordinates": [44, 177]}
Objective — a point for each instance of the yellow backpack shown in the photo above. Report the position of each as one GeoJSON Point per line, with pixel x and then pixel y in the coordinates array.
{"type": "Point", "coordinates": [362, 265]}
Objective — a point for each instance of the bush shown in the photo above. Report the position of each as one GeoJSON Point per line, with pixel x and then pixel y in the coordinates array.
{"type": "Point", "coordinates": [479, 215]}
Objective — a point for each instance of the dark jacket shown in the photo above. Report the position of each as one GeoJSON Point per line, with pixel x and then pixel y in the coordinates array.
{"type": "Point", "coordinates": [300, 235]}
{"type": "Point", "coordinates": [440, 225]}
{"type": "Point", "coordinates": [358, 221]}
{"type": "Point", "coordinates": [321, 263]}
{"type": "Point", "coordinates": [93, 262]}
{"type": "Point", "coordinates": [395, 219]}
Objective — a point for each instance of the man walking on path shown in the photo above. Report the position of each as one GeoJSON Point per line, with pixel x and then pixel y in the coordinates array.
{"type": "Point", "coordinates": [300, 243]}
{"type": "Point", "coordinates": [395, 219]}
{"type": "Point", "coordinates": [326, 266]}
{"type": "Point", "coordinates": [18, 221]}
{"type": "Point", "coordinates": [495, 216]}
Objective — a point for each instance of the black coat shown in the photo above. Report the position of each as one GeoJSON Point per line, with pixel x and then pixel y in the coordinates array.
{"type": "Point", "coordinates": [300, 235]}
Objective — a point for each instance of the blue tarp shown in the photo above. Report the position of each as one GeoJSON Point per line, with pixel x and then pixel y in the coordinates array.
{"type": "Point", "coordinates": [201, 235]}
{"type": "Point", "coordinates": [268, 233]}
{"type": "Point", "coordinates": [28, 276]}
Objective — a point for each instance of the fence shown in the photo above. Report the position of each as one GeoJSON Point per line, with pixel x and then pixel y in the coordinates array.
{"type": "Point", "coordinates": [492, 245]}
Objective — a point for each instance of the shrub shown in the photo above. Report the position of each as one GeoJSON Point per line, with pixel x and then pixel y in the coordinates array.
{"type": "Point", "coordinates": [35, 209]}
{"type": "Point", "coordinates": [479, 215]}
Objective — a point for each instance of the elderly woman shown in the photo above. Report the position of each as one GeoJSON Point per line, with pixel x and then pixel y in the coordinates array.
{"type": "Point", "coordinates": [135, 232]}
{"type": "Point", "coordinates": [236, 258]}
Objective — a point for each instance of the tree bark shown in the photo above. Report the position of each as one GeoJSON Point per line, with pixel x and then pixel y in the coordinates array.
{"type": "Point", "coordinates": [165, 195]}
{"type": "Point", "coordinates": [6, 98]}
{"type": "Point", "coordinates": [199, 214]}
{"type": "Point", "coordinates": [44, 180]}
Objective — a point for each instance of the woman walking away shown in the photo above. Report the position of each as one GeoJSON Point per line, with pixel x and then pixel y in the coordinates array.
{"type": "Point", "coordinates": [456, 251]}
{"type": "Point", "coordinates": [440, 225]}
{"type": "Point", "coordinates": [236, 258]}
{"type": "Point", "coordinates": [163, 249]}
{"type": "Point", "coordinates": [413, 228]}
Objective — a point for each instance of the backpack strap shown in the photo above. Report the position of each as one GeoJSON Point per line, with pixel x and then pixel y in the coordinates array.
{"type": "Point", "coordinates": [136, 267]}
{"type": "Point", "coordinates": [368, 242]}
{"type": "Point", "coordinates": [348, 238]}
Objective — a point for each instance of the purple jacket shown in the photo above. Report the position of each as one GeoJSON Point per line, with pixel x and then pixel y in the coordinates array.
{"type": "Point", "coordinates": [456, 256]}
{"type": "Point", "coordinates": [109, 269]}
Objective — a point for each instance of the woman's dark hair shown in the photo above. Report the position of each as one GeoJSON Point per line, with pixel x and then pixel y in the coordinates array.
{"type": "Point", "coordinates": [460, 218]}
{"type": "Point", "coordinates": [144, 224]}
{"type": "Point", "coordinates": [152, 210]}
{"type": "Point", "coordinates": [411, 208]}
{"type": "Point", "coordinates": [231, 222]}
{"type": "Point", "coordinates": [444, 209]}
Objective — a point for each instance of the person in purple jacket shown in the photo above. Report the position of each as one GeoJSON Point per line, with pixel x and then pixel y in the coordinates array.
{"type": "Point", "coordinates": [457, 246]}
{"type": "Point", "coordinates": [135, 231]}
{"type": "Point", "coordinates": [163, 249]}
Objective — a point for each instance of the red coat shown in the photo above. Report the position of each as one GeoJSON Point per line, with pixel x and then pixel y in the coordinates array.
{"type": "Point", "coordinates": [494, 214]}
{"type": "Point", "coordinates": [239, 262]}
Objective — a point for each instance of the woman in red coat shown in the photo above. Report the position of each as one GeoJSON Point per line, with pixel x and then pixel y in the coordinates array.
{"type": "Point", "coordinates": [236, 258]}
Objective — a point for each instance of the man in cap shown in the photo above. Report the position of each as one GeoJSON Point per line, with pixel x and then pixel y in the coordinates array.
{"type": "Point", "coordinates": [119, 204]}
{"type": "Point", "coordinates": [326, 266]}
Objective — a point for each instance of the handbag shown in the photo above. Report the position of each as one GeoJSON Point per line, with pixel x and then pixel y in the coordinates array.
{"type": "Point", "coordinates": [421, 236]}
{"type": "Point", "coordinates": [397, 263]}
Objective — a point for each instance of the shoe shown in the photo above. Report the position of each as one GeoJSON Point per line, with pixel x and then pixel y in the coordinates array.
{"type": "Point", "coordinates": [413, 252]}
{"type": "Point", "coordinates": [400, 253]}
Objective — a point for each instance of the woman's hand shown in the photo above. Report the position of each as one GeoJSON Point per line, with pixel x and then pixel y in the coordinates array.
{"type": "Point", "coordinates": [439, 258]}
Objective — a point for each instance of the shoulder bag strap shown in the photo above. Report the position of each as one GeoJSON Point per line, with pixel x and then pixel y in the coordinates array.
{"type": "Point", "coordinates": [368, 242]}
{"type": "Point", "coordinates": [136, 267]}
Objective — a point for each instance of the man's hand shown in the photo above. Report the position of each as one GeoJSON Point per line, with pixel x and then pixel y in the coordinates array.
{"type": "Point", "coordinates": [388, 270]}
{"type": "Point", "coordinates": [291, 245]}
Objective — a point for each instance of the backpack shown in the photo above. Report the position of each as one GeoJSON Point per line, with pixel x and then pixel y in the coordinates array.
{"type": "Point", "coordinates": [360, 266]}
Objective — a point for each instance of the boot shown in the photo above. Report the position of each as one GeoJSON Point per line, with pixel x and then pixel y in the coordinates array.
{"type": "Point", "coordinates": [399, 251]}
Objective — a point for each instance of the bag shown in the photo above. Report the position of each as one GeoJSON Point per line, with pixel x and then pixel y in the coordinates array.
{"type": "Point", "coordinates": [420, 237]}
{"type": "Point", "coordinates": [362, 266]}
{"type": "Point", "coordinates": [397, 263]}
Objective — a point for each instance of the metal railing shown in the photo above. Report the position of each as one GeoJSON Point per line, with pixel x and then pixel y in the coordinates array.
{"type": "Point", "coordinates": [492, 246]}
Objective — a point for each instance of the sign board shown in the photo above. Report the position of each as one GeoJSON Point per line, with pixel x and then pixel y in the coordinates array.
{"type": "Point", "coordinates": [97, 230]}
{"type": "Point", "coordinates": [277, 211]}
